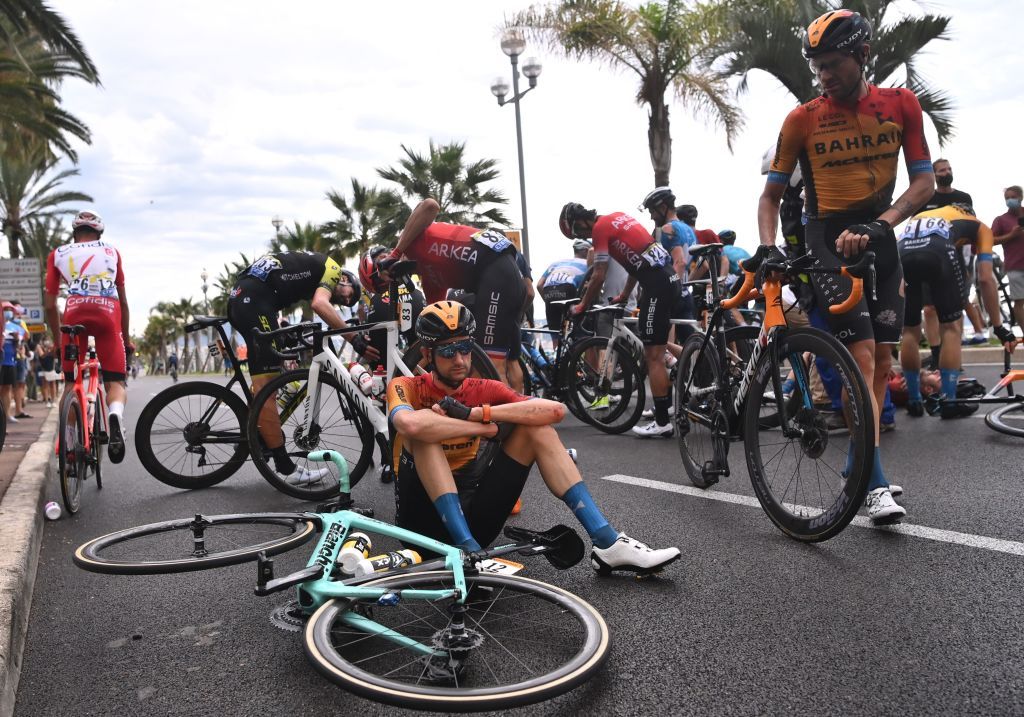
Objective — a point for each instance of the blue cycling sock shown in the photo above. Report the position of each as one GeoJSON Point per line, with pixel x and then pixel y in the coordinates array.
{"type": "Point", "coordinates": [950, 377]}
{"type": "Point", "coordinates": [913, 379]}
{"type": "Point", "coordinates": [586, 511]}
{"type": "Point", "coordinates": [450, 510]}
{"type": "Point", "coordinates": [877, 476]}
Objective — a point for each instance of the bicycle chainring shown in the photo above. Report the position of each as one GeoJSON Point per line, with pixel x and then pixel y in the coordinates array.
{"type": "Point", "coordinates": [288, 617]}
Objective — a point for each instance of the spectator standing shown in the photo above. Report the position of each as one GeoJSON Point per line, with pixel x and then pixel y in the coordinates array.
{"type": "Point", "coordinates": [1008, 230]}
{"type": "Point", "coordinates": [14, 335]}
{"type": "Point", "coordinates": [47, 363]}
{"type": "Point", "coordinates": [25, 348]}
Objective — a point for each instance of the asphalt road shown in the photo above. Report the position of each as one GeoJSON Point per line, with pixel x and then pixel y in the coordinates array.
{"type": "Point", "coordinates": [748, 622]}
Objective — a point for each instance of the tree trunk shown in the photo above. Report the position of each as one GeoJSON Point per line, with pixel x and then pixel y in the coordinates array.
{"type": "Point", "coordinates": [14, 242]}
{"type": "Point", "coordinates": [659, 141]}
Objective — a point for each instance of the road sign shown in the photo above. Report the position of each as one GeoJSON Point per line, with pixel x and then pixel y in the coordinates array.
{"type": "Point", "coordinates": [20, 281]}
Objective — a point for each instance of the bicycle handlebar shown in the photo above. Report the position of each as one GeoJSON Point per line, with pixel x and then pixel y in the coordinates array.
{"type": "Point", "coordinates": [339, 462]}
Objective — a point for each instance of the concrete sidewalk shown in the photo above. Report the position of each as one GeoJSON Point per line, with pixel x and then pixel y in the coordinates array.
{"type": "Point", "coordinates": [25, 467]}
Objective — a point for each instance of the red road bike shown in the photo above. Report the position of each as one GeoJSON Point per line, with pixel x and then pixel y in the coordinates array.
{"type": "Point", "coordinates": [83, 421]}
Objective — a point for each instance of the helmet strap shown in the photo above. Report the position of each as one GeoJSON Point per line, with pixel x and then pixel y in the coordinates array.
{"type": "Point", "coordinates": [432, 367]}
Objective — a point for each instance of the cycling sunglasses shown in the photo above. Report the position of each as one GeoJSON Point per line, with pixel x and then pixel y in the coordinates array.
{"type": "Point", "coordinates": [464, 347]}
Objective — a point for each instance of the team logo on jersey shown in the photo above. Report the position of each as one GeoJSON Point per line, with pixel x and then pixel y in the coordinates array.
{"type": "Point", "coordinates": [886, 318]}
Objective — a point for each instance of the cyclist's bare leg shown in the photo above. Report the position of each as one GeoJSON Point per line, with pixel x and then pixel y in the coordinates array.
{"type": "Point", "coordinates": [541, 445]}
{"type": "Point", "coordinates": [974, 314]}
{"type": "Point", "coordinates": [509, 373]}
{"type": "Point", "coordinates": [931, 325]}
{"type": "Point", "coordinates": [867, 354]}
{"type": "Point", "coordinates": [1018, 312]}
{"type": "Point", "coordinates": [270, 421]}
{"type": "Point", "coordinates": [656, 371]}
{"type": "Point", "coordinates": [910, 353]}
{"type": "Point", "coordinates": [952, 351]}
{"type": "Point", "coordinates": [432, 467]}
{"type": "Point", "coordinates": [117, 392]}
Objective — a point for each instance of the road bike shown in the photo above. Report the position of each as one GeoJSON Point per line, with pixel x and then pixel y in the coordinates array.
{"type": "Point", "coordinates": [1009, 417]}
{"type": "Point", "coordinates": [82, 431]}
{"type": "Point", "coordinates": [809, 482]}
{"type": "Point", "coordinates": [456, 633]}
{"type": "Point", "coordinates": [331, 402]}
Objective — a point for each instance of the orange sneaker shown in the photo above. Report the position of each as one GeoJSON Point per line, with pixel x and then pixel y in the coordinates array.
{"type": "Point", "coordinates": [517, 507]}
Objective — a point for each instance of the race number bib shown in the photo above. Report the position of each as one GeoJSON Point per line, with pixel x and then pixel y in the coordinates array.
{"type": "Point", "coordinates": [924, 227]}
{"type": "Point", "coordinates": [262, 267]}
{"type": "Point", "coordinates": [655, 255]}
{"type": "Point", "coordinates": [493, 240]}
{"type": "Point", "coordinates": [92, 286]}
{"type": "Point", "coordinates": [404, 316]}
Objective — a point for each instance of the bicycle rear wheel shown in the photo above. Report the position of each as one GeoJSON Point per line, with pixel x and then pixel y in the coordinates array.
{"type": "Point", "coordinates": [187, 544]}
{"type": "Point", "coordinates": [811, 482]}
{"type": "Point", "coordinates": [71, 451]}
{"type": "Point", "coordinates": [191, 435]}
{"type": "Point", "coordinates": [1008, 419]}
{"type": "Point", "coordinates": [702, 425]}
{"type": "Point", "coordinates": [614, 404]}
{"type": "Point", "coordinates": [525, 641]}
{"type": "Point", "coordinates": [94, 460]}
{"type": "Point", "coordinates": [337, 428]}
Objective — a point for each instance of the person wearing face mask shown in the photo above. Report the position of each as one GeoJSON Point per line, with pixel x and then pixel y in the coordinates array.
{"type": "Point", "coordinates": [1009, 231]}
{"type": "Point", "coordinates": [14, 335]}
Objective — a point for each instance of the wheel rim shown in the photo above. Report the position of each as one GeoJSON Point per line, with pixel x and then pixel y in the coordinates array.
{"type": "Point", "coordinates": [188, 446]}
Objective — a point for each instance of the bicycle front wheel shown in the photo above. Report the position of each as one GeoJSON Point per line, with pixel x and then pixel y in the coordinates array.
{"type": "Point", "coordinates": [71, 451]}
{"type": "Point", "coordinates": [702, 425]}
{"type": "Point", "coordinates": [1008, 419]}
{"type": "Point", "coordinates": [335, 427]}
{"type": "Point", "coordinates": [179, 546]}
{"type": "Point", "coordinates": [608, 391]}
{"type": "Point", "coordinates": [95, 458]}
{"type": "Point", "coordinates": [524, 641]}
{"type": "Point", "coordinates": [810, 478]}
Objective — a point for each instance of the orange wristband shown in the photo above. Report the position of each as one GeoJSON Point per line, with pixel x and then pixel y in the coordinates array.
{"type": "Point", "coordinates": [487, 413]}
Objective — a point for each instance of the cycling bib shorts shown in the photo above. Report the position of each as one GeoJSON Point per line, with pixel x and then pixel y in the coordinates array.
{"type": "Point", "coordinates": [101, 318]}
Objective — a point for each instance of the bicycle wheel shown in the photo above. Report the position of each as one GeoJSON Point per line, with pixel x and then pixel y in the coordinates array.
{"type": "Point", "coordinates": [702, 425]}
{"type": "Point", "coordinates": [810, 482]}
{"type": "Point", "coordinates": [187, 544]}
{"type": "Point", "coordinates": [1008, 419]}
{"type": "Point", "coordinates": [525, 641]}
{"type": "Point", "coordinates": [94, 461]}
{"type": "Point", "coordinates": [482, 365]}
{"type": "Point", "coordinates": [612, 406]}
{"type": "Point", "coordinates": [71, 451]}
{"type": "Point", "coordinates": [191, 435]}
{"type": "Point", "coordinates": [337, 428]}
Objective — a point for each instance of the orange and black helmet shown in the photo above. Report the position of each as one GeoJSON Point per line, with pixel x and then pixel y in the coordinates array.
{"type": "Point", "coordinates": [836, 31]}
{"type": "Point", "coordinates": [444, 320]}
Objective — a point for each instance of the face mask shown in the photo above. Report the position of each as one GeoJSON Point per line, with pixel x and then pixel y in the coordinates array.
{"type": "Point", "coordinates": [944, 181]}
{"type": "Point", "coordinates": [8, 315]}
{"type": "Point", "coordinates": [1013, 203]}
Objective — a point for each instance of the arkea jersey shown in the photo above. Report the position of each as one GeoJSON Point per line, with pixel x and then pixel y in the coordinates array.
{"type": "Point", "coordinates": [565, 271]}
{"type": "Point", "coordinates": [414, 393]}
{"type": "Point", "coordinates": [450, 256]}
{"type": "Point", "coordinates": [624, 239]}
{"type": "Point", "coordinates": [953, 225]}
{"type": "Point", "coordinates": [848, 155]}
{"type": "Point", "coordinates": [296, 275]}
{"type": "Point", "coordinates": [89, 268]}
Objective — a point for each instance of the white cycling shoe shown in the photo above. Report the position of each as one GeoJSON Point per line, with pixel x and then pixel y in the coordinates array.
{"type": "Point", "coordinates": [882, 509]}
{"type": "Point", "coordinates": [631, 555]}
{"type": "Point", "coordinates": [304, 476]}
{"type": "Point", "coordinates": [653, 430]}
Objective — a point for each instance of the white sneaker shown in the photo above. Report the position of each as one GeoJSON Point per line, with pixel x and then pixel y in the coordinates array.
{"type": "Point", "coordinates": [629, 554]}
{"type": "Point", "coordinates": [653, 430]}
{"type": "Point", "coordinates": [882, 509]}
{"type": "Point", "coordinates": [648, 413]}
{"type": "Point", "coordinates": [303, 475]}
{"type": "Point", "coordinates": [895, 490]}
{"type": "Point", "coordinates": [12, 419]}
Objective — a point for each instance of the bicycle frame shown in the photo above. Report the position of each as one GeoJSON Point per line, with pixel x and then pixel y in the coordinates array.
{"type": "Point", "coordinates": [85, 394]}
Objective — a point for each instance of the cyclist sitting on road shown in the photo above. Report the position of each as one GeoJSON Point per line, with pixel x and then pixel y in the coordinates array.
{"type": "Point", "coordinates": [849, 173]}
{"type": "Point", "coordinates": [930, 251]}
{"type": "Point", "coordinates": [562, 280]}
{"type": "Point", "coordinates": [620, 237]}
{"type": "Point", "coordinates": [377, 301]}
{"type": "Point", "coordinates": [480, 261]}
{"type": "Point", "coordinates": [92, 270]}
{"type": "Point", "coordinates": [272, 283]}
{"type": "Point", "coordinates": [437, 420]}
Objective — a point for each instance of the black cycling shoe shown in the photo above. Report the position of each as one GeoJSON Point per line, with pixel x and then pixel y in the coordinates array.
{"type": "Point", "coordinates": [115, 443]}
{"type": "Point", "coordinates": [957, 410]}
{"type": "Point", "coordinates": [915, 408]}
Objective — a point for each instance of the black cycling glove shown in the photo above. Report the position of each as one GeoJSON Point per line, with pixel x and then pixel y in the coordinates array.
{"type": "Point", "coordinates": [875, 231]}
{"type": "Point", "coordinates": [454, 409]}
{"type": "Point", "coordinates": [1004, 334]}
{"type": "Point", "coordinates": [360, 344]}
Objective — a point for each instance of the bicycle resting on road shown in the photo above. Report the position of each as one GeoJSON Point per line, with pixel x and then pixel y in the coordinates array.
{"type": "Point", "coordinates": [462, 632]}
{"type": "Point", "coordinates": [809, 483]}
{"type": "Point", "coordinates": [437, 421]}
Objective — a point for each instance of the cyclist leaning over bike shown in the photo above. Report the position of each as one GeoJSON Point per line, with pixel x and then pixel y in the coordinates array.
{"type": "Point", "coordinates": [562, 280]}
{"type": "Point", "coordinates": [676, 237]}
{"type": "Point", "coordinates": [377, 301]}
{"type": "Point", "coordinates": [270, 284]}
{"type": "Point", "coordinates": [930, 251]}
{"type": "Point", "coordinates": [620, 237]}
{"type": "Point", "coordinates": [847, 143]}
{"type": "Point", "coordinates": [437, 421]}
{"type": "Point", "coordinates": [91, 269]}
{"type": "Point", "coordinates": [479, 261]}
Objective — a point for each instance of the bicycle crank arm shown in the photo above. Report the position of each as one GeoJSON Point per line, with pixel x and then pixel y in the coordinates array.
{"type": "Point", "coordinates": [265, 584]}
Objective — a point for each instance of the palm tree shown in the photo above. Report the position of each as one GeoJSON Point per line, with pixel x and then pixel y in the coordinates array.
{"type": "Point", "coordinates": [768, 37]}
{"type": "Point", "coordinates": [44, 234]}
{"type": "Point", "coordinates": [372, 216]}
{"type": "Point", "coordinates": [301, 237]}
{"type": "Point", "coordinates": [28, 192]}
{"type": "Point", "coordinates": [444, 175]}
{"type": "Point", "coordinates": [661, 41]}
{"type": "Point", "coordinates": [154, 338]}
{"type": "Point", "coordinates": [23, 17]}
{"type": "Point", "coordinates": [179, 312]}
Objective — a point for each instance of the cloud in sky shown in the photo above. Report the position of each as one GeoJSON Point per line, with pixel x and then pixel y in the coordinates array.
{"type": "Point", "coordinates": [214, 117]}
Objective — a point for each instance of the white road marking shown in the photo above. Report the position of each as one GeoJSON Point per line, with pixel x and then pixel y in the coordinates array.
{"type": "Point", "coordinates": [918, 531]}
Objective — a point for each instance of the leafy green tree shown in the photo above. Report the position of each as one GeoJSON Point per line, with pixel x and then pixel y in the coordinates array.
{"type": "Point", "coordinates": [301, 237]}
{"type": "Point", "coordinates": [371, 216]}
{"type": "Point", "coordinates": [443, 173]}
{"type": "Point", "coordinates": [768, 37]}
{"type": "Point", "coordinates": [661, 41]}
{"type": "Point", "coordinates": [180, 312]}
{"type": "Point", "coordinates": [44, 234]}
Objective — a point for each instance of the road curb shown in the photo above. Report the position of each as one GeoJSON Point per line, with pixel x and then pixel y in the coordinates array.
{"type": "Point", "coordinates": [21, 532]}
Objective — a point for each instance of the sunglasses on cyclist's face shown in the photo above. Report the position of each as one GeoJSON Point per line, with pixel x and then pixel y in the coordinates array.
{"type": "Point", "coordinates": [464, 348]}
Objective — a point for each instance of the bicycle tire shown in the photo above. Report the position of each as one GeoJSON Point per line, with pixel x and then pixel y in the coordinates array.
{"type": "Point", "coordinates": [71, 452]}
{"type": "Point", "coordinates": [697, 416]}
{"type": "Point", "coordinates": [582, 385]}
{"type": "Point", "coordinates": [582, 660]}
{"type": "Point", "coordinates": [848, 488]}
{"type": "Point", "coordinates": [100, 555]}
{"type": "Point", "coordinates": [160, 417]}
{"type": "Point", "coordinates": [95, 445]}
{"type": "Point", "coordinates": [996, 420]}
{"type": "Point", "coordinates": [358, 454]}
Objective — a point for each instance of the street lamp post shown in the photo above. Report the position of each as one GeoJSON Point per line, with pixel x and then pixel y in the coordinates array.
{"type": "Point", "coordinates": [206, 308]}
{"type": "Point", "coordinates": [513, 44]}
{"type": "Point", "coordinates": [277, 222]}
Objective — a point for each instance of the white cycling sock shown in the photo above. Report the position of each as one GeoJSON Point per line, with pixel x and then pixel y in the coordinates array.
{"type": "Point", "coordinates": [116, 408]}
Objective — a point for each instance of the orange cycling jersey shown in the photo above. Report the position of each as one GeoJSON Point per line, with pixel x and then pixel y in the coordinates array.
{"type": "Point", "coordinates": [848, 155]}
{"type": "Point", "coordinates": [952, 224]}
{"type": "Point", "coordinates": [419, 392]}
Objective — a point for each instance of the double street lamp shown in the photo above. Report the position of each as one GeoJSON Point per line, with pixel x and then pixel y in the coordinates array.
{"type": "Point", "coordinates": [206, 308]}
{"type": "Point", "coordinates": [513, 44]}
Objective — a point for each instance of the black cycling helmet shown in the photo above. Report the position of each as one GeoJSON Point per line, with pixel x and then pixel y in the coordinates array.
{"type": "Point", "coordinates": [728, 236]}
{"type": "Point", "coordinates": [658, 195]}
{"type": "Point", "coordinates": [836, 31]}
{"type": "Point", "coordinates": [444, 320]}
{"type": "Point", "coordinates": [357, 289]}
{"type": "Point", "coordinates": [688, 213]}
{"type": "Point", "coordinates": [570, 214]}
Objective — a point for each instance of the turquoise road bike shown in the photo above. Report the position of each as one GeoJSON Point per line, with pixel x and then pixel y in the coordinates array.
{"type": "Point", "coordinates": [454, 633]}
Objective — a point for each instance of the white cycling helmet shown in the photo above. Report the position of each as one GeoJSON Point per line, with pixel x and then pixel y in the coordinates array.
{"type": "Point", "coordinates": [88, 219]}
{"type": "Point", "coordinates": [582, 245]}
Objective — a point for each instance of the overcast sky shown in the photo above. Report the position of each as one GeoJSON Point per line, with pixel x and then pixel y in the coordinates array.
{"type": "Point", "coordinates": [215, 116]}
